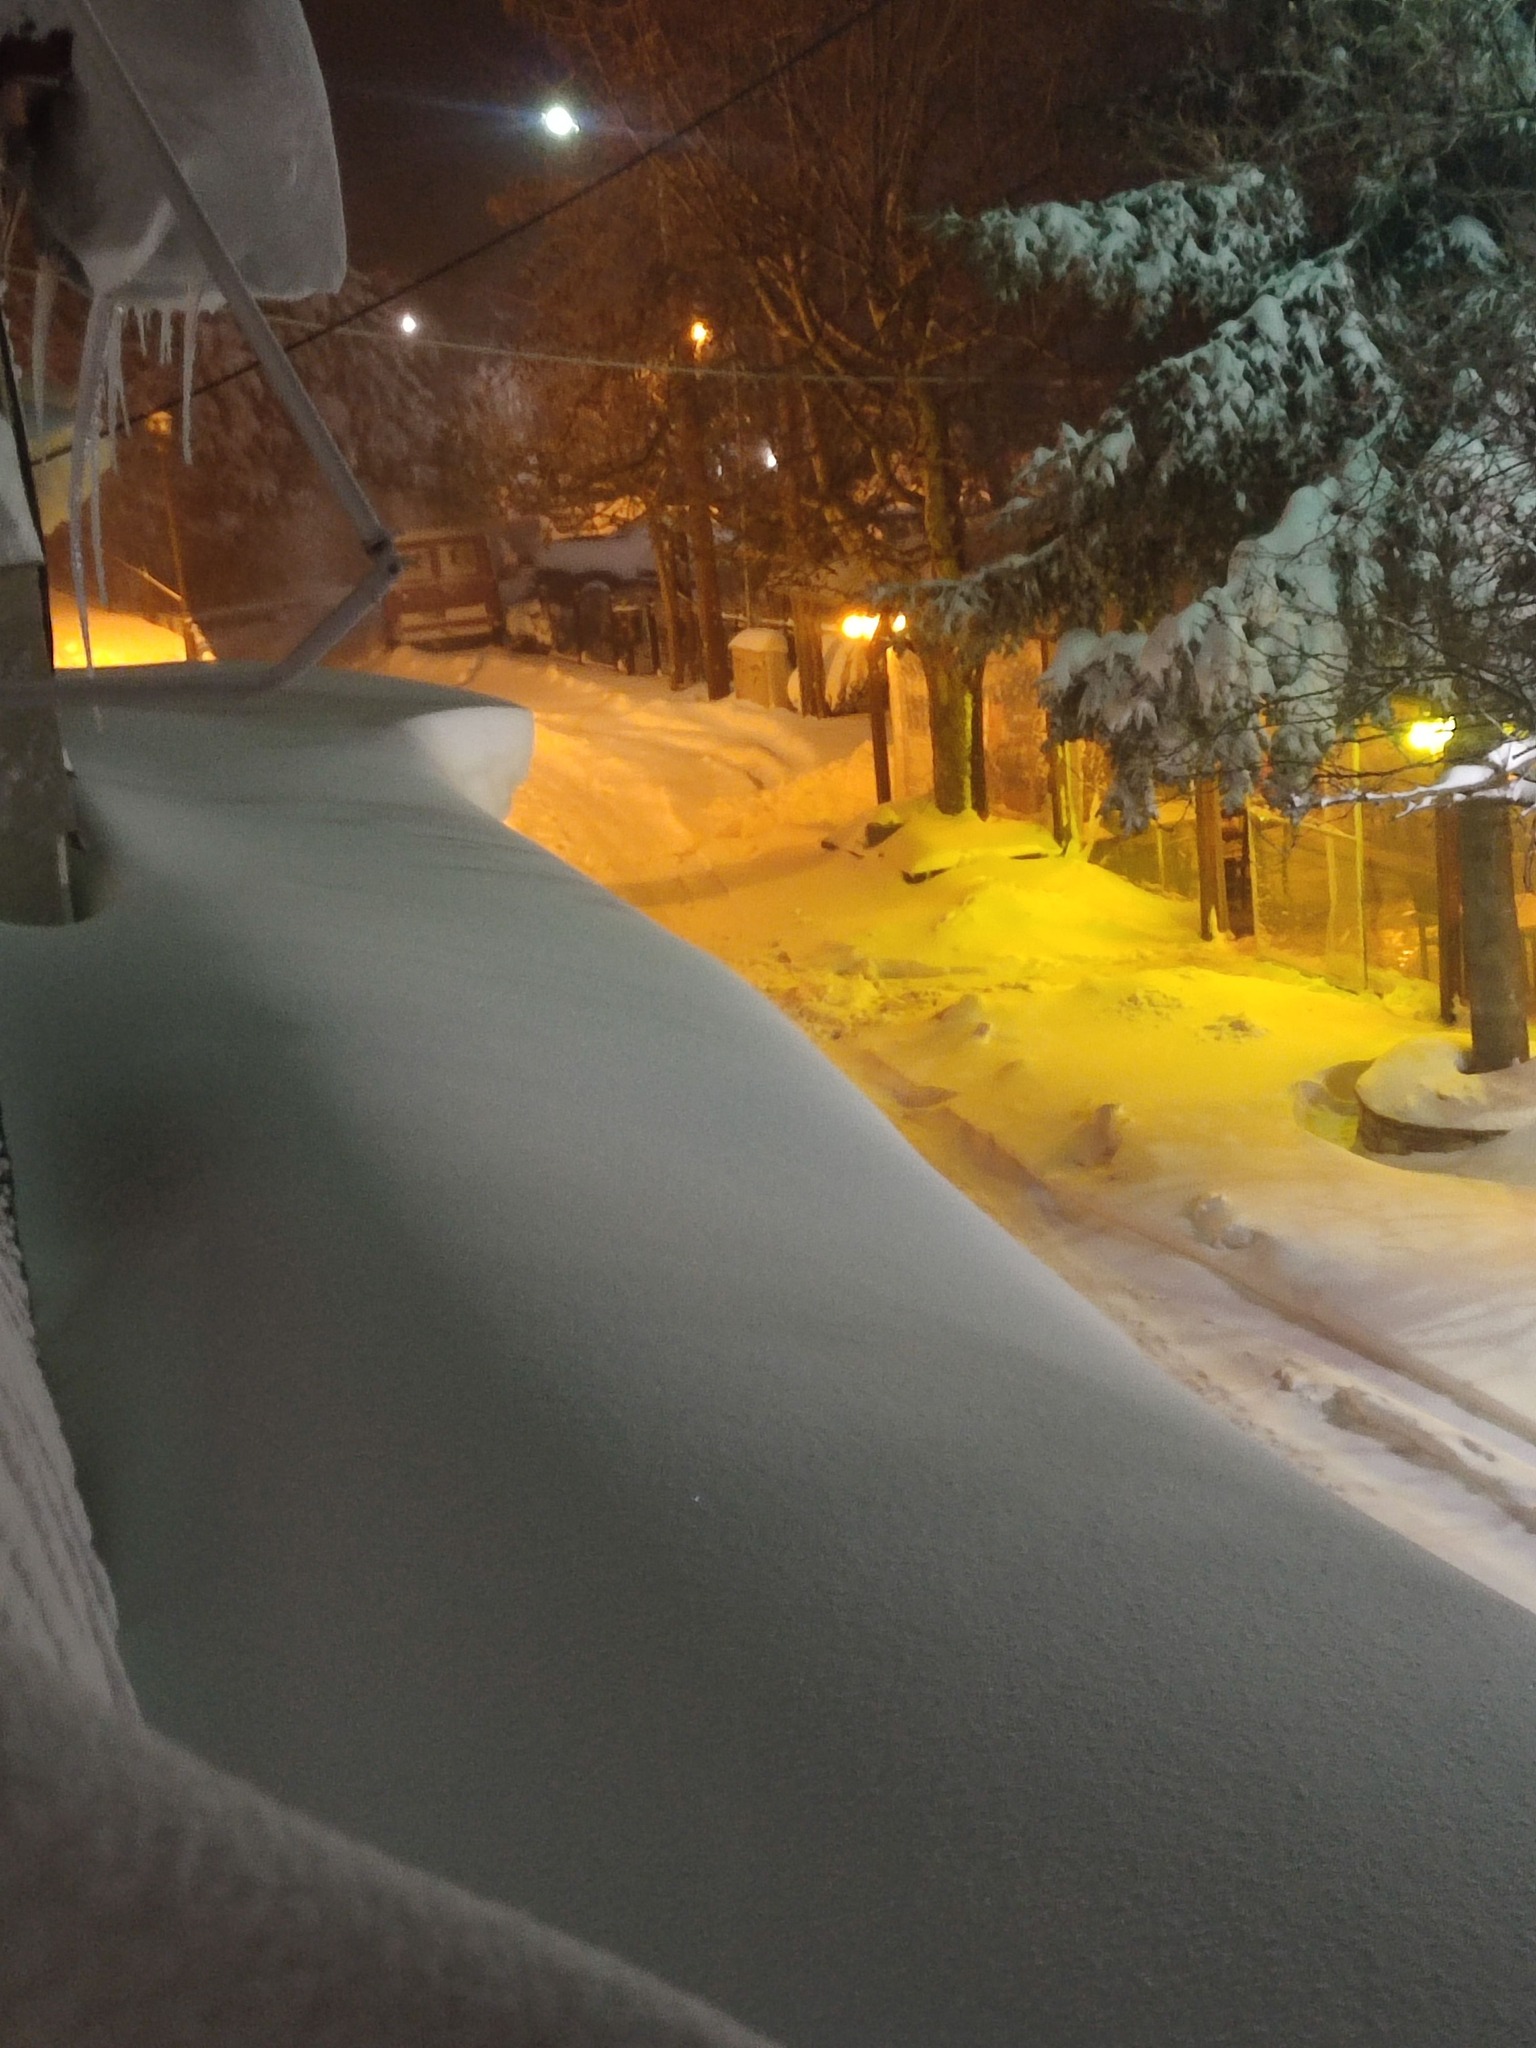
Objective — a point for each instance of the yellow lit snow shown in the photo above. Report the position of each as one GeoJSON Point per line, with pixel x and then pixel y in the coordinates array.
{"type": "Point", "coordinates": [1165, 1120]}
{"type": "Point", "coordinates": [118, 639]}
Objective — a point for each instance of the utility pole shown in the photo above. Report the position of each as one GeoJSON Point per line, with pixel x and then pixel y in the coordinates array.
{"type": "Point", "coordinates": [163, 428]}
{"type": "Point", "coordinates": [698, 520]}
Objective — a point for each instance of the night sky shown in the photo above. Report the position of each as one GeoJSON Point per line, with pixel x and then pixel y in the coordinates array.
{"type": "Point", "coordinates": [428, 98]}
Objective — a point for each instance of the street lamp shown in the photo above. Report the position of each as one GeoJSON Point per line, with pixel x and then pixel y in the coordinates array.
{"type": "Point", "coordinates": [408, 323]}
{"type": "Point", "coordinates": [1430, 736]}
{"type": "Point", "coordinates": [560, 122]}
{"type": "Point", "coordinates": [701, 334]}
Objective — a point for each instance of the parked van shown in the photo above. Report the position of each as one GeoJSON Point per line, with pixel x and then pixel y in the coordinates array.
{"type": "Point", "coordinates": [447, 591]}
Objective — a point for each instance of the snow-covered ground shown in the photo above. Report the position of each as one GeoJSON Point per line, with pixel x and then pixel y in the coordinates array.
{"type": "Point", "coordinates": [1165, 1122]}
{"type": "Point", "coordinates": [538, 1416]}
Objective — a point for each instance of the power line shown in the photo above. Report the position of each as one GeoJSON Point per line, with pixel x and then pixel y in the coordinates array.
{"type": "Point", "coordinates": [558, 206]}
{"type": "Point", "coordinates": [506, 352]}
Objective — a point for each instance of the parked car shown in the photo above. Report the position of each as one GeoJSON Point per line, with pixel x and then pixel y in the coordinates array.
{"type": "Point", "coordinates": [447, 591]}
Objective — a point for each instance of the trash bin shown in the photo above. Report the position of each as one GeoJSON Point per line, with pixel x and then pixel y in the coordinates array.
{"type": "Point", "coordinates": [760, 666]}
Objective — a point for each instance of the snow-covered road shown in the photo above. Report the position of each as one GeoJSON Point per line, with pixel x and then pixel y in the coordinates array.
{"type": "Point", "coordinates": [629, 779]}
{"type": "Point", "coordinates": [1390, 1356]}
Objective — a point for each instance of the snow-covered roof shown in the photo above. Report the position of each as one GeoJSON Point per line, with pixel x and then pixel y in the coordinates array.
{"type": "Point", "coordinates": [626, 556]}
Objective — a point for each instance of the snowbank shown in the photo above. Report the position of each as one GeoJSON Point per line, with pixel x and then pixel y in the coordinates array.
{"type": "Point", "coordinates": [538, 1416]}
{"type": "Point", "coordinates": [1423, 1082]}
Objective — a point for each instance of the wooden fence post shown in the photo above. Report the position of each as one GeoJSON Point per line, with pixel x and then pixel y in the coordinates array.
{"type": "Point", "coordinates": [1210, 859]}
{"type": "Point", "coordinates": [1453, 981]}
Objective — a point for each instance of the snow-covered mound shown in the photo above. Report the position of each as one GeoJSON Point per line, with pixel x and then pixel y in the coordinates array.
{"type": "Point", "coordinates": [539, 1417]}
{"type": "Point", "coordinates": [1423, 1082]}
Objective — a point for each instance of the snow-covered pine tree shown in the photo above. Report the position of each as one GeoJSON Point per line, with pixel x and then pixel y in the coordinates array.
{"type": "Point", "coordinates": [1327, 504]}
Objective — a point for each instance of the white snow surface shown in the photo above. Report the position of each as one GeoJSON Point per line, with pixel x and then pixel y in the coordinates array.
{"type": "Point", "coordinates": [1424, 1082]}
{"type": "Point", "coordinates": [236, 91]}
{"type": "Point", "coordinates": [538, 1416]}
{"type": "Point", "coordinates": [55, 1606]}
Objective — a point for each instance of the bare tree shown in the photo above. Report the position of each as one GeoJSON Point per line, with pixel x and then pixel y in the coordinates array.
{"type": "Point", "coordinates": [800, 222]}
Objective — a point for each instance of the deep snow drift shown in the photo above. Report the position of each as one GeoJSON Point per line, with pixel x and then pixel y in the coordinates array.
{"type": "Point", "coordinates": [1166, 1122]}
{"type": "Point", "coordinates": [540, 1417]}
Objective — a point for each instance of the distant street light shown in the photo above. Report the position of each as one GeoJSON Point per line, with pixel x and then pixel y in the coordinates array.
{"type": "Point", "coordinates": [770, 460]}
{"type": "Point", "coordinates": [701, 334]}
{"type": "Point", "coordinates": [408, 323]}
{"type": "Point", "coordinates": [865, 625]}
{"type": "Point", "coordinates": [560, 122]}
{"type": "Point", "coordinates": [1430, 735]}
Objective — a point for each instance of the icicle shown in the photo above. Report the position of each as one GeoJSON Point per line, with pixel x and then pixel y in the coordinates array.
{"type": "Point", "coordinates": [141, 322]}
{"type": "Point", "coordinates": [84, 450]}
{"type": "Point", "coordinates": [117, 389]}
{"type": "Point", "coordinates": [188, 360]}
{"type": "Point", "coordinates": [96, 547]}
{"type": "Point", "coordinates": [164, 315]}
{"type": "Point", "coordinates": [42, 321]}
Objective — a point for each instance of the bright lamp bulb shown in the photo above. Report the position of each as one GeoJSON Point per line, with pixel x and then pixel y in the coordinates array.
{"type": "Point", "coordinates": [1430, 735]}
{"type": "Point", "coordinates": [560, 122]}
{"type": "Point", "coordinates": [860, 626]}
{"type": "Point", "coordinates": [408, 323]}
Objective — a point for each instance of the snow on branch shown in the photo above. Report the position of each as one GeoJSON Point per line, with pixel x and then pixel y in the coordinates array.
{"type": "Point", "coordinates": [1192, 243]}
{"type": "Point", "coordinates": [1245, 683]}
{"type": "Point", "coordinates": [1505, 774]}
{"type": "Point", "coordinates": [1276, 383]}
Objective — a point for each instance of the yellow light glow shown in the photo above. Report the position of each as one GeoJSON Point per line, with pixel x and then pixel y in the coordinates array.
{"type": "Point", "coordinates": [1430, 735]}
{"type": "Point", "coordinates": [701, 333]}
{"type": "Point", "coordinates": [899, 623]}
{"type": "Point", "coordinates": [118, 640]}
{"type": "Point", "coordinates": [860, 626]}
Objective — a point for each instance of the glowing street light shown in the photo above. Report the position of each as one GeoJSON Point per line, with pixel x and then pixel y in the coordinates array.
{"type": "Point", "coordinates": [770, 460]}
{"type": "Point", "coordinates": [560, 122]}
{"type": "Point", "coordinates": [408, 323]}
{"type": "Point", "coordinates": [1430, 736]}
{"type": "Point", "coordinates": [865, 625]}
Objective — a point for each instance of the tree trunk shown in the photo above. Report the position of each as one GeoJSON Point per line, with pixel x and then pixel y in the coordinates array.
{"type": "Point", "coordinates": [698, 519]}
{"type": "Point", "coordinates": [1492, 948]}
{"type": "Point", "coordinates": [955, 708]}
{"type": "Point", "coordinates": [954, 695]}
{"type": "Point", "coordinates": [941, 499]}
{"type": "Point", "coordinates": [813, 674]}
{"type": "Point", "coordinates": [671, 602]}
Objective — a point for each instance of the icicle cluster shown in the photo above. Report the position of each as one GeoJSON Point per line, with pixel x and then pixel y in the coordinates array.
{"type": "Point", "coordinates": [101, 405]}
